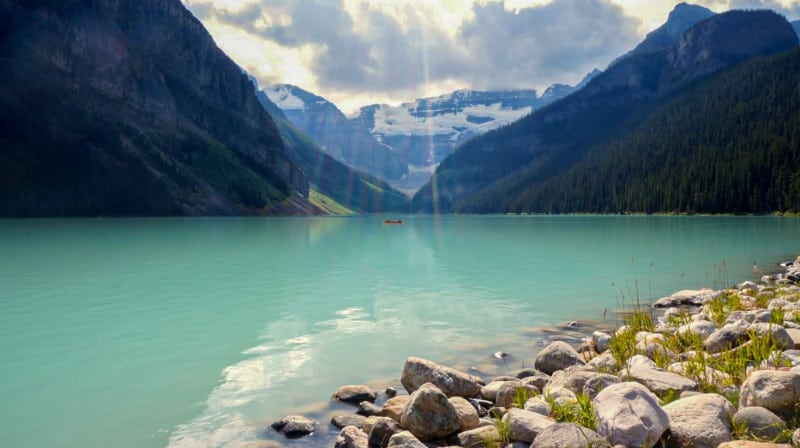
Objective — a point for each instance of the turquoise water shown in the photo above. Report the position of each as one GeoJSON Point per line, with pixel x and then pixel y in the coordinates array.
{"type": "Point", "coordinates": [199, 332]}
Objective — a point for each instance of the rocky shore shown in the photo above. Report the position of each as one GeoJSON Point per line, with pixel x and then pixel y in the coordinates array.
{"type": "Point", "coordinates": [705, 368]}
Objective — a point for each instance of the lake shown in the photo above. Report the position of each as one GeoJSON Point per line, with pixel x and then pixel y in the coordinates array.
{"type": "Point", "coordinates": [202, 331]}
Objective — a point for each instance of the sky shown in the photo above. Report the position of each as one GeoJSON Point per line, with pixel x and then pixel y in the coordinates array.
{"type": "Point", "coordinates": [359, 52]}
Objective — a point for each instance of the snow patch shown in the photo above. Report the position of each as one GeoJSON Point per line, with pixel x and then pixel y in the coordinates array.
{"type": "Point", "coordinates": [282, 97]}
{"type": "Point", "coordinates": [397, 120]}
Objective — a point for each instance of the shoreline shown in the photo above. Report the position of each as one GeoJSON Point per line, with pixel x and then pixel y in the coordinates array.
{"type": "Point", "coordinates": [584, 339]}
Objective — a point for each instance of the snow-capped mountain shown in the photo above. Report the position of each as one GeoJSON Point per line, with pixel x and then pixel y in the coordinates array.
{"type": "Point", "coordinates": [403, 144]}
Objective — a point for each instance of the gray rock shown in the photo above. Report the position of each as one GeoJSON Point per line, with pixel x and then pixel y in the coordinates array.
{"type": "Point", "coordinates": [747, 285]}
{"type": "Point", "coordinates": [538, 379]}
{"type": "Point", "coordinates": [428, 414]}
{"type": "Point", "coordinates": [704, 420]}
{"type": "Point", "coordinates": [581, 379]}
{"type": "Point", "coordinates": [489, 391]}
{"type": "Point", "coordinates": [595, 384]}
{"type": "Point", "coordinates": [760, 316]}
{"type": "Point", "coordinates": [393, 408]}
{"type": "Point", "coordinates": [563, 435]}
{"type": "Point", "coordinates": [342, 420]}
{"type": "Point", "coordinates": [405, 439]}
{"type": "Point", "coordinates": [467, 414]}
{"type": "Point", "coordinates": [354, 394]}
{"type": "Point", "coordinates": [476, 437]}
{"type": "Point", "coordinates": [368, 409]}
{"type": "Point", "coordinates": [629, 414]}
{"type": "Point", "coordinates": [295, 426]}
{"type": "Point", "coordinates": [639, 361]}
{"type": "Point", "coordinates": [557, 355]}
{"type": "Point", "coordinates": [796, 438]}
{"type": "Point", "coordinates": [601, 341]}
{"type": "Point", "coordinates": [383, 430]}
{"type": "Point", "coordinates": [793, 356]}
{"type": "Point", "coordinates": [779, 334]}
{"type": "Point", "coordinates": [709, 375]}
{"type": "Point", "coordinates": [507, 395]}
{"type": "Point", "coordinates": [525, 425]}
{"type": "Point", "coordinates": [703, 328]}
{"type": "Point", "coordinates": [351, 437]}
{"type": "Point", "coordinates": [729, 336]}
{"type": "Point", "coordinates": [539, 406]}
{"type": "Point", "coordinates": [760, 422]}
{"type": "Point", "coordinates": [778, 391]}
{"type": "Point", "coordinates": [390, 392]}
{"type": "Point", "coordinates": [687, 297]}
{"type": "Point", "coordinates": [603, 363]}
{"type": "Point", "coordinates": [659, 381]}
{"type": "Point", "coordinates": [451, 382]}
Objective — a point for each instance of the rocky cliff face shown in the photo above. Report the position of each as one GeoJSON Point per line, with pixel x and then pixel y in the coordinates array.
{"type": "Point", "coordinates": [141, 110]}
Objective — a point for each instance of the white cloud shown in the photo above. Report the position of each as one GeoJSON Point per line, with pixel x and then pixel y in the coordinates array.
{"type": "Point", "coordinates": [356, 52]}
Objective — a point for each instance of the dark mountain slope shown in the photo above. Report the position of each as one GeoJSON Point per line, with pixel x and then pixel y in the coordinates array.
{"type": "Point", "coordinates": [127, 107]}
{"type": "Point", "coordinates": [730, 144]}
{"type": "Point", "coordinates": [549, 141]}
{"type": "Point", "coordinates": [357, 191]}
{"type": "Point", "coordinates": [680, 19]}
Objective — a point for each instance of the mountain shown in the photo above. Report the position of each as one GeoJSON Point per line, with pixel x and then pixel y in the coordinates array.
{"type": "Point", "coordinates": [796, 26]}
{"type": "Point", "coordinates": [680, 19]}
{"type": "Point", "coordinates": [488, 173]}
{"type": "Point", "coordinates": [127, 107]}
{"type": "Point", "coordinates": [335, 187]}
{"type": "Point", "coordinates": [403, 144]}
{"type": "Point", "coordinates": [728, 144]}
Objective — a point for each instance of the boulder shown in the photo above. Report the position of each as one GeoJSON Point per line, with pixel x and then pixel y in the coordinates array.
{"type": "Point", "coordinates": [752, 444]}
{"type": "Point", "coordinates": [354, 394]}
{"type": "Point", "coordinates": [405, 439]}
{"type": "Point", "coordinates": [776, 390]}
{"type": "Point", "coordinates": [507, 395]}
{"type": "Point", "coordinates": [342, 420]}
{"type": "Point", "coordinates": [295, 426]}
{"type": "Point", "coordinates": [603, 363]}
{"type": "Point", "coordinates": [729, 336]}
{"type": "Point", "coordinates": [659, 381]}
{"type": "Point", "coordinates": [629, 414]}
{"type": "Point", "coordinates": [525, 425]}
{"type": "Point", "coordinates": [467, 414]}
{"type": "Point", "coordinates": [383, 430]}
{"type": "Point", "coordinates": [779, 334]}
{"type": "Point", "coordinates": [687, 297]}
{"type": "Point", "coordinates": [368, 423]}
{"type": "Point", "coordinates": [428, 414]}
{"type": "Point", "coordinates": [709, 375]}
{"type": "Point", "coordinates": [703, 328]}
{"type": "Point", "coordinates": [760, 422]}
{"type": "Point", "coordinates": [489, 391]}
{"type": "Point", "coordinates": [563, 435]}
{"type": "Point", "coordinates": [451, 382]}
{"type": "Point", "coordinates": [538, 379]}
{"type": "Point", "coordinates": [639, 361]}
{"type": "Point", "coordinates": [794, 334]}
{"type": "Point", "coordinates": [602, 341]}
{"type": "Point", "coordinates": [702, 421]}
{"type": "Point", "coordinates": [476, 437]}
{"type": "Point", "coordinates": [393, 408]}
{"type": "Point", "coordinates": [557, 355]}
{"type": "Point", "coordinates": [577, 378]}
{"type": "Point", "coordinates": [539, 406]}
{"type": "Point", "coordinates": [368, 409]}
{"type": "Point", "coordinates": [351, 437]}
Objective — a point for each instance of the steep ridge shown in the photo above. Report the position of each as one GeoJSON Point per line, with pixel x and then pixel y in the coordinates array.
{"type": "Point", "coordinates": [510, 160]}
{"type": "Point", "coordinates": [123, 107]}
{"type": "Point", "coordinates": [727, 145]}
{"type": "Point", "coordinates": [351, 189]}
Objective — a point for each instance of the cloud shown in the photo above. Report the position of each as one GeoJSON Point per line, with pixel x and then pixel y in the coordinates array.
{"type": "Point", "coordinates": [356, 51]}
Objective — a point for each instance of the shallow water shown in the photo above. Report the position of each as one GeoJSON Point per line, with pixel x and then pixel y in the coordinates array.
{"type": "Point", "coordinates": [199, 332]}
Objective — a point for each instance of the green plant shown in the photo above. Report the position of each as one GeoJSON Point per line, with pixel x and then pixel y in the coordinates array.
{"type": "Point", "coordinates": [740, 429]}
{"type": "Point", "coordinates": [580, 411]}
{"type": "Point", "coordinates": [761, 346]}
{"type": "Point", "coordinates": [778, 316]}
{"type": "Point", "coordinates": [669, 397]}
{"type": "Point", "coordinates": [521, 395]}
{"type": "Point", "coordinates": [503, 429]}
{"type": "Point", "coordinates": [623, 345]}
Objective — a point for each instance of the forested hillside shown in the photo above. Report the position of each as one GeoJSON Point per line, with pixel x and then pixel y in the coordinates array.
{"type": "Point", "coordinates": [730, 144]}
